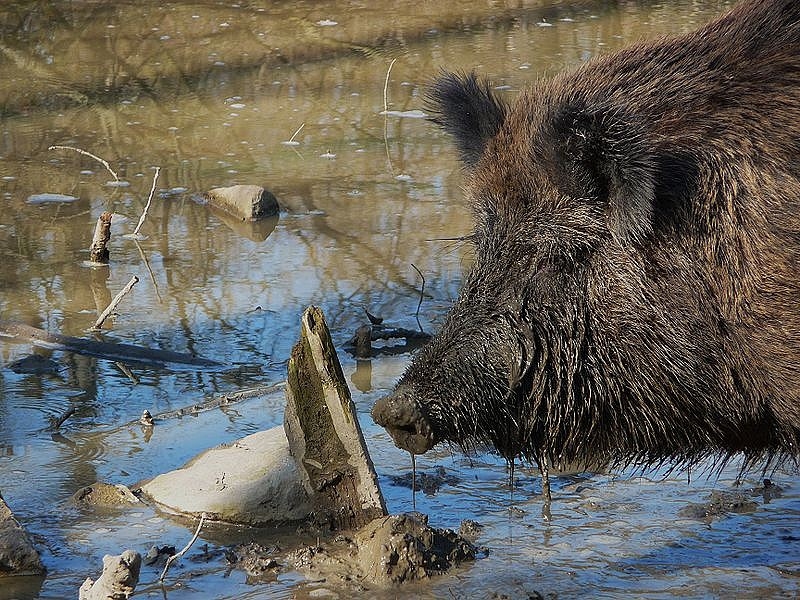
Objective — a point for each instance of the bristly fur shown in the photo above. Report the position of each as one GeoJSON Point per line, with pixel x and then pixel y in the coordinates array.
{"type": "Point", "coordinates": [635, 296]}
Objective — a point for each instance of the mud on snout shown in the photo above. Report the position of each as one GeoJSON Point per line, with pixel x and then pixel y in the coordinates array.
{"type": "Point", "coordinates": [402, 417]}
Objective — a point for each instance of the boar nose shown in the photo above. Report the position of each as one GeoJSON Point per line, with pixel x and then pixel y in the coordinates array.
{"type": "Point", "coordinates": [401, 416]}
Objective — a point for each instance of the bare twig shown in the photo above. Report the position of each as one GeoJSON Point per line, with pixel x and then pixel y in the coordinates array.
{"type": "Point", "coordinates": [117, 299]}
{"type": "Point", "coordinates": [56, 423]}
{"type": "Point", "coordinates": [149, 270]}
{"type": "Point", "coordinates": [386, 117]}
{"type": "Point", "coordinates": [174, 557]}
{"type": "Point", "coordinates": [147, 206]}
{"type": "Point", "coordinates": [89, 154]}
{"type": "Point", "coordinates": [98, 252]}
{"type": "Point", "coordinates": [294, 135]}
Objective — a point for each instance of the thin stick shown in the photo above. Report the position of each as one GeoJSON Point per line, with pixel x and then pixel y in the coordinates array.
{"type": "Point", "coordinates": [299, 129]}
{"type": "Point", "coordinates": [147, 206]}
{"type": "Point", "coordinates": [386, 86]}
{"type": "Point", "coordinates": [175, 557]}
{"type": "Point", "coordinates": [117, 299]}
{"type": "Point", "coordinates": [386, 117]}
{"type": "Point", "coordinates": [60, 420]}
{"type": "Point", "coordinates": [89, 154]}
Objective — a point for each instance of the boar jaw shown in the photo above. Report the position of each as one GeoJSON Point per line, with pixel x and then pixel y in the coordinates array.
{"type": "Point", "coordinates": [400, 415]}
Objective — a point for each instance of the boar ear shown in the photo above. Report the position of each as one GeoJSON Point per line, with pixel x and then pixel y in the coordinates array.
{"type": "Point", "coordinates": [468, 110]}
{"type": "Point", "coordinates": [606, 156]}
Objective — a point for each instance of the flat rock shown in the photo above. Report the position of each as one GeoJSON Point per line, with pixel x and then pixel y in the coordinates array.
{"type": "Point", "coordinates": [17, 554]}
{"type": "Point", "coordinates": [248, 202]}
{"type": "Point", "coordinates": [253, 481]}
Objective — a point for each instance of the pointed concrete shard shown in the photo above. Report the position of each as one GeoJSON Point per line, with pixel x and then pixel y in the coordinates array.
{"type": "Point", "coordinates": [324, 435]}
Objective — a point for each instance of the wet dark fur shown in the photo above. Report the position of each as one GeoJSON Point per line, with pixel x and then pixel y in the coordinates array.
{"type": "Point", "coordinates": [634, 296]}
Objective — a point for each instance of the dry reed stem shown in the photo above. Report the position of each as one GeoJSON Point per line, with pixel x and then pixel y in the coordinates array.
{"type": "Point", "coordinates": [147, 206]}
{"type": "Point", "coordinates": [175, 557]}
{"type": "Point", "coordinates": [89, 154]}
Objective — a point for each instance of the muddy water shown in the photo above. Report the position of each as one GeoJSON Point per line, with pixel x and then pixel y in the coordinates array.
{"type": "Point", "coordinates": [211, 93]}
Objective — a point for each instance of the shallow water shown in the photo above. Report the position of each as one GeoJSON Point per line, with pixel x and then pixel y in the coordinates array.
{"type": "Point", "coordinates": [210, 93]}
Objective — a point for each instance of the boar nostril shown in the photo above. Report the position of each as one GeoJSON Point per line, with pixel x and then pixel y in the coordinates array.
{"type": "Point", "coordinates": [405, 422]}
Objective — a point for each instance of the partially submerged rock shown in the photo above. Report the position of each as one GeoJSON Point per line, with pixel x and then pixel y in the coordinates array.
{"type": "Point", "coordinates": [118, 580]}
{"type": "Point", "coordinates": [104, 495]}
{"type": "Point", "coordinates": [247, 202]}
{"type": "Point", "coordinates": [17, 554]}
{"type": "Point", "coordinates": [253, 481]}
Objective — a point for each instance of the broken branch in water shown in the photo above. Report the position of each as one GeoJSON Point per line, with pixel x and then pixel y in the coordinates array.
{"type": "Point", "coordinates": [98, 252]}
{"type": "Point", "coordinates": [174, 557]}
{"type": "Point", "coordinates": [147, 206]}
{"type": "Point", "coordinates": [117, 299]}
{"type": "Point", "coordinates": [56, 423]}
{"type": "Point", "coordinates": [89, 154]}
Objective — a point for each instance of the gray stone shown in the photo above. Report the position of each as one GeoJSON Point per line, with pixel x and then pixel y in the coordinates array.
{"type": "Point", "coordinates": [247, 202]}
{"type": "Point", "coordinates": [17, 554]}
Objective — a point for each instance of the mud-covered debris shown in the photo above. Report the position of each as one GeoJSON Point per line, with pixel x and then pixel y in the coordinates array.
{"type": "Point", "coordinates": [768, 491]}
{"type": "Point", "coordinates": [429, 483]}
{"type": "Point", "coordinates": [718, 505]}
{"type": "Point", "coordinates": [118, 580]}
{"type": "Point", "coordinates": [401, 548]}
{"type": "Point", "coordinates": [104, 494]}
{"type": "Point", "coordinates": [470, 529]}
{"type": "Point", "coordinates": [158, 555]}
{"type": "Point", "coordinates": [260, 563]}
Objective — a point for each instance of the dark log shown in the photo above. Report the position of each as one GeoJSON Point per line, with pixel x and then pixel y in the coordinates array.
{"type": "Point", "coordinates": [107, 350]}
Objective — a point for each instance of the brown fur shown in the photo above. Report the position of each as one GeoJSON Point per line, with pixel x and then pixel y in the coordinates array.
{"type": "Point", "coordinates": [635, 290]}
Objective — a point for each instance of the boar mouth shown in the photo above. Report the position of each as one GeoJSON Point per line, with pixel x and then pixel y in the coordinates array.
{"type": "Point", "coordinates": [402, 417]}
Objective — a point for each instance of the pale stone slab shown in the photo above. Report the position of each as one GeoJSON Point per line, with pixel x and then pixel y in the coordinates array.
{"type": "Point", "coordinates": [253, 481]}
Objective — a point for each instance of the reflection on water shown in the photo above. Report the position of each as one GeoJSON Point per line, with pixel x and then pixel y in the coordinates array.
{"type": "Point", "coordinates": [210, 92]}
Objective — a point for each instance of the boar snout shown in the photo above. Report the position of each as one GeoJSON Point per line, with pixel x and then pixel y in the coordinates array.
{"type": "Point", "coordinates": [402, 417]}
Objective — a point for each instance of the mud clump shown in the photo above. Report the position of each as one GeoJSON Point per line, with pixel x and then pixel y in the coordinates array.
{"type": "Point", "coordinates": [386, 552]}
{"type": "Point", "coordinates": [402, 548]}
{"type": "Point", "coordinates": [719, 504]}
{"type": "Point", "coordinates": [429, 483]}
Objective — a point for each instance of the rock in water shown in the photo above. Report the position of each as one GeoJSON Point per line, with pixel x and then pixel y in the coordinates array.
{"type": "Point", "coordinates": [17, 554]}
{"type": "Point", "coordinates": [248, 202]}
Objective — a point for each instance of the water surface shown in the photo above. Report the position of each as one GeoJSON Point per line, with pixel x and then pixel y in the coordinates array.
{"type": "Point", "coordinates": [210, 93]}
